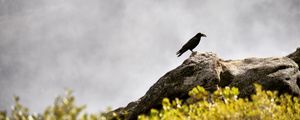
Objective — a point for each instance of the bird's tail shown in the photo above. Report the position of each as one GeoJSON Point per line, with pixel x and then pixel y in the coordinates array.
{"type": "Point", "coordinates": [179, 53]}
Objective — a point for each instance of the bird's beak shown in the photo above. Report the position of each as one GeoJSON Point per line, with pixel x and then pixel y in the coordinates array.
{"type": "Point", "coordinates": [204, 35]}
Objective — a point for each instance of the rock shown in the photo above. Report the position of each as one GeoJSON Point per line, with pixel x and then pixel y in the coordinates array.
{"type": "Point", "coordinates": [272, 73]}
{"type": "Point", "coordinates": [209, 71]}
{"type": "Point", "coordinates": [295, 56]}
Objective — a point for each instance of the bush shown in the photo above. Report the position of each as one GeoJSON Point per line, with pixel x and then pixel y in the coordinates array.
{"type": "Point", "coordinates": [64, 108]}
{"type": "Point", "coordinates": [222, 104]}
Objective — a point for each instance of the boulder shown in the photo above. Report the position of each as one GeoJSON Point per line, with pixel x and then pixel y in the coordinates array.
{"type": "Point", "coordinates": [295, 56]}
{"type": "Point", "coordinates": [207, 70]}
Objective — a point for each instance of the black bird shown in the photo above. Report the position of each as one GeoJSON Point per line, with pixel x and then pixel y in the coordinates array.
{"type": "Point", "coordinates": [191, 44]}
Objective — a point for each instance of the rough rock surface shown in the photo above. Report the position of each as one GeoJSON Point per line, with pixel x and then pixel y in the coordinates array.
{"type": "Point", "coordinates": [207, 70]}
{"type": "Point", "coordinates": [295, 56]}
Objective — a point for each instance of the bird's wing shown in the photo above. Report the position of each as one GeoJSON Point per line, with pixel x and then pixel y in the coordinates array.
{"type": "Point", "coordinates": [190, 43]}
{"type": "Point", "coordinates": [186, 46]}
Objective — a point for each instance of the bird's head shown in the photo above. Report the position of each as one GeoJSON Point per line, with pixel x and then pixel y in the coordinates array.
{"type": "Point", "coordinates": [201, 35]}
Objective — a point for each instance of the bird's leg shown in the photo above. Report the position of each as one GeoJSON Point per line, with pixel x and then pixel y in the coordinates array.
{"type": "Point", "coordinates": [193, 53]}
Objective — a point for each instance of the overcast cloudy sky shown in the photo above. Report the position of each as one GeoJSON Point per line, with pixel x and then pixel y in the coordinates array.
{"type": "Point", "coordinates": [111, 51]}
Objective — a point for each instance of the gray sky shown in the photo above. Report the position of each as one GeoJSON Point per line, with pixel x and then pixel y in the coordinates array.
{"type": "Point", "coordinates": [111, 51]}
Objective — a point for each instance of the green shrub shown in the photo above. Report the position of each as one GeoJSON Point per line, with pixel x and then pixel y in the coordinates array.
{"type": "Point", "coordinates": [64, 108]}
{"type": "Point", "coordinates": [224, 104]}
{"type": "Point", "coordinates": [201, 105]}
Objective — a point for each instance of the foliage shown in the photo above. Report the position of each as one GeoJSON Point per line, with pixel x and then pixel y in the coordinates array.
{"type": "Point", "coordinates": [64, 108]}
{"type": "Point", "coordinates": [202, 105]}
{"type": "Point", "coordinates": [224, 104]}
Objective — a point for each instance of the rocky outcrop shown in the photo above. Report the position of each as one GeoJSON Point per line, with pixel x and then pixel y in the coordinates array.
{"type": "Point", "coordinates": [295, 56]}
{"type": "Point", "coordinates": [207, 70]}
{"type": "Point", "coordinates": [279, 74]}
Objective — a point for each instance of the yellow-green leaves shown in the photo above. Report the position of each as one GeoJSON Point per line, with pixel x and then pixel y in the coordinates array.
{"type": "Point", "coordinates": [64, 108]}
{"type": "Point", "coordinates": [224, 104]}
{"type": "Point", "coordinates": [198, 93]}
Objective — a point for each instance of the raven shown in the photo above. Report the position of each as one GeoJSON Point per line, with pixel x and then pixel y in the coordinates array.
{"type": "Point", "coordinates": [191, 44]}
